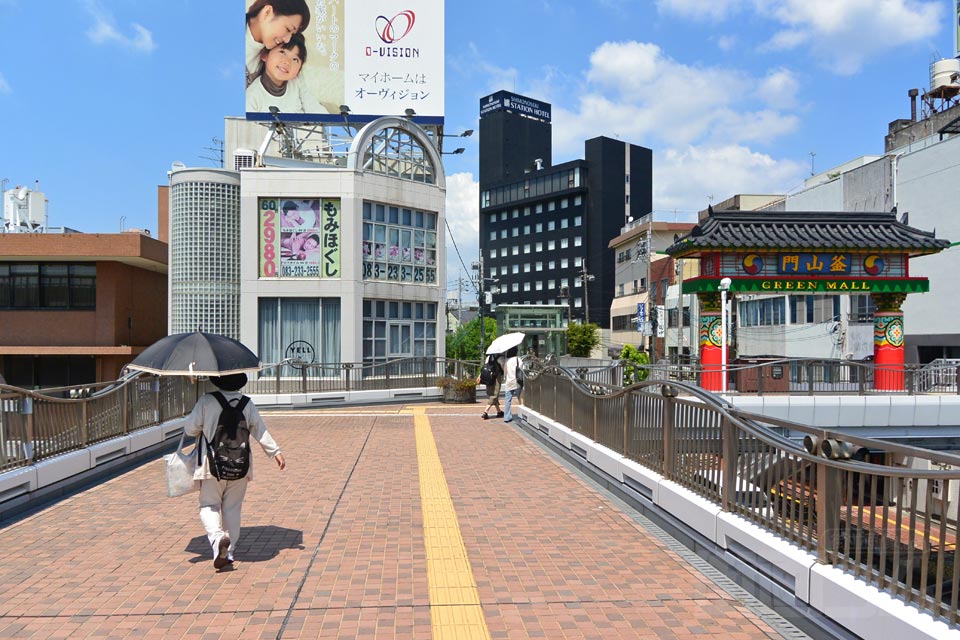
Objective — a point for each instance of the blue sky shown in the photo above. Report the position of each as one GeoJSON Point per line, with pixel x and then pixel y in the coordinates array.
{"type": "Point", "coordinates": [98, 97]}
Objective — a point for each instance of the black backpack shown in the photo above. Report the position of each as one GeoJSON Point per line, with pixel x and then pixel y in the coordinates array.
{"type": "Point", "coordinates": [489, 373]}
{"type": "Point", "coordinates": [229, 451]}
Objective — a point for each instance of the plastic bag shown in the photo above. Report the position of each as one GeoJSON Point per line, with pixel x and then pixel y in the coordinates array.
{"type": "Point", "coordinates": [180, 467]}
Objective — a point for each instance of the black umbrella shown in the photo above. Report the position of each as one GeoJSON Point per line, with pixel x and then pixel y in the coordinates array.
{"type": "Point", "coordinates": [196, 354]}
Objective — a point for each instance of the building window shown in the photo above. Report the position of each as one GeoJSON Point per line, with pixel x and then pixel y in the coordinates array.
{"type": "Point", "coordinates": [503, 252]}
{"type": "Point", "coordinates": [862, 309]}
{"type": "Point", "coordinates": [539, 247]}
{"type": "Point", "coordinates": [493, 235]}
{"type": "Point", "coordinates": [539, 266]}
{"type": "Point", "coordinates": [551, 206]}
{"type": "Point", "coordinates": [394, 152]}
{"type": "Point", "coordinates": [395, 329]}
{"type": "Point", "coordinates": [578, 241]}
{"type": "Point", "coordinates": [526, 248]}
{"type": "Point", "coordinates": [814, 309]}
{"type": "Point", "coordinates": [577, 221]}
{"type": "Point", "coordinates": [515, 250]}
{"type": "Point", "coordinates": [577, 201]}
{"type": "Point", "coordinates": [578, 262]}
{"type": "Point", "coordinates": [516, 268]}
{"type": "Point", "coordinates": [564, 203]}
{"type": "Point", "coordinates": [539, 227]}
{"type": "Point", "coordinates": [762, 312]}
{"type": "Point", "coordinates": [515, 288]}
{"type": "Point", "coordinates": [516, 213]}
{"type": "Point", "coordinates": [515, 232]}
{"type": "Point", "coordinates": [578, 302]}
{"type": "Point", "coordinates": [398, 252]}
{"type": "Point", "coordinates": [526, 229]}
{"type": "Point", "coordinates": [526, 286]}
{"type": "Point", "coordinates": [551, 245]}
{"type": "Point", "coordinates": [564, 263]}
{"type": "Point", "coordinates": [526, 267]}
{"type": "Point", "coordinates": [564, 243]}
{"type": "Point", "coordinates": [564, 223]}
{"type": "Point", "coordinates": [304, 328]}
{"type": "Point", "coordinates": [551, 284]}
{"type": "Point", "coordinates": [538, 208]}
{"type": "Point", "coordinates": [503, 234]}
{"type": "Point", "coordinates": [552, 265]}
{"type": "Point", "coordinates": [539, 285]}
{"type": "Point", "coordinates": [55, 285]}
{"type": "Point", "coordinates": [552, 225]}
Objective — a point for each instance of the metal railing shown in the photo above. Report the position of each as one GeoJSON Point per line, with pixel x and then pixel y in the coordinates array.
{"type": "Point", "coordinates": [874, 515]}
{"type": "Point", "coordinates": [293, 376]}
{"type": "Point", "coordinates": [808, 376]}
{"type": "Point", "coordinates": [36, 425]}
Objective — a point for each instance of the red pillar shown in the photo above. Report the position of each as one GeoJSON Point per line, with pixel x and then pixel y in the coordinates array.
{"type": "Point", "coordinates": [711, 356]}
{"type": "Point", "coordinates": [888, 342]}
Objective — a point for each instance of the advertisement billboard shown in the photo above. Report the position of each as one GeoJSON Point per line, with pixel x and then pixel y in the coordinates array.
{"type": "Point", "coordinates": [514, 103]}
{"type": "Point", "coordinates": [299, 238]}
{"type": "Point", "coordinates": [306, 58]}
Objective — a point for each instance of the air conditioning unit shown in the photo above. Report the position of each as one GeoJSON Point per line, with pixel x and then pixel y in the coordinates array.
{"type": "Point", "coordinates": [244, 159]}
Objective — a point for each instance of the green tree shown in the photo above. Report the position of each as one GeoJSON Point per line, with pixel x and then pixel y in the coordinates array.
{"type": "Point", "coordinates": [464, 343]}
{"type": "Point", "coordinates": [633, 359]}
{"type": "Point", "coordinates": [582, 338]}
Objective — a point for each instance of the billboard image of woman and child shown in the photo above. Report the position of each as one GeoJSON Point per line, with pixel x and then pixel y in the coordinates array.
{"type": "Point", "coordinates": [306, 58]}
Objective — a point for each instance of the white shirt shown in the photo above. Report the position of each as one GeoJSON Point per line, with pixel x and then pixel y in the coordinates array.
{"type": "Point", "coordinates": [204, 418]}
{"type": "Point", "coordinates": [510, 373]}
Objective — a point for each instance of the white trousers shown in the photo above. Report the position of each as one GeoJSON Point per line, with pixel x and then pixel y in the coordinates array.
{"type": "Point", "coordinates": [220, 505]}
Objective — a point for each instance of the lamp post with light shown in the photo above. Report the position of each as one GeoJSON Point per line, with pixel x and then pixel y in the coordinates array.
{"type": "Point", "coordinates": [724, 327]}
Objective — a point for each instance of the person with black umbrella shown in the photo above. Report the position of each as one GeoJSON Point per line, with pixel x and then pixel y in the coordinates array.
{"type": "Point", "coordinates": [222, 488]}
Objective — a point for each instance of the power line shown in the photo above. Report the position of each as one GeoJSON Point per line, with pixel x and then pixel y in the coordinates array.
{"type": "Point", "coordinates": [457, 249]}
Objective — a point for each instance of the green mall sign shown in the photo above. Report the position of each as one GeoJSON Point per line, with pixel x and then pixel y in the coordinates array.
{"type": "Point", "coordinates": [810, 285]}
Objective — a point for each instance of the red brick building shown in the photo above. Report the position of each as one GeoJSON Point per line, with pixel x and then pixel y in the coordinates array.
{"type": "Point", "coordinates": [76, 307]}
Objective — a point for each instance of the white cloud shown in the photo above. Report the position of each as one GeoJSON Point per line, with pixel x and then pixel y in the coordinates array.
{"type": "Point", "coordinates": [843, 34]}
{"type": "Point", "coordinates": [700, 9]}
{"type": "Point", "coordinates": [779, 88]}
{"type": "Point", "coordinates": [700, 121]}
{"type": "Point", "coordinates": [685, 178]}
{"type": "Point", "coordinates": [463, 217]}
{"type": "Point", "coordinates": [104, 30]}
{"type": "Point", "coordinates": [726, 43]}
{"type": "Point", "coordinates": [4, 85]}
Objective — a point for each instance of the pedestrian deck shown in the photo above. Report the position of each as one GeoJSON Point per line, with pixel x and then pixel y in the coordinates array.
{"type": "Point", "coordinates": [400, 521]}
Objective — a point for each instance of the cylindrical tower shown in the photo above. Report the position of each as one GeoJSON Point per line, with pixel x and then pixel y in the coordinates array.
{"type": "Point", "coordinates": [205, 251]}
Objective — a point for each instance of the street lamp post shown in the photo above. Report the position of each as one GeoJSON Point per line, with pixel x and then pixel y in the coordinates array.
{"type": "Point", "coordinates": [724, 287]}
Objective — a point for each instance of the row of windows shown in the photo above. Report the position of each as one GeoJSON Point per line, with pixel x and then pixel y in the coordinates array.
{"type": "Point", "coordinates": [551, 205]}
{"type": "Point", "coordinates": [399, 244]}
{"type": "Point", "coordinates": [536, 266]}
{"type": "Point", "coordinates": [639, 286]}
{"type": "Point", "coordinates": [537, 247]}
{"type": "Point", "coordinates": [48, 286]}
{"type": "Point", "coordinates": [376, 212]}
{"type": "Point", "coordinates": [577, 302]}
{"type": "Point", "coordinates": [531, 188]}
{"type": "Point", "coordinates": [394, 329]}
{"type": "Point", "coordinates": [537, 228]}
{"type": "Point", "coordinates": [803, 310]}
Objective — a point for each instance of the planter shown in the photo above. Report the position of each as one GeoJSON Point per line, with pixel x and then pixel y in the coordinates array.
{"type": "Point", "coordinates": [453, 395]}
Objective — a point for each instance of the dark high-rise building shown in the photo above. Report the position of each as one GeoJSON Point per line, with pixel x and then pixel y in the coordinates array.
{"type": "Point", "coordinates": [543, 228]}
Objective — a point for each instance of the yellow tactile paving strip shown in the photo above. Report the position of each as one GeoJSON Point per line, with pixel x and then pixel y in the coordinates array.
{"type": "Point", "coordinates": [454, 600]}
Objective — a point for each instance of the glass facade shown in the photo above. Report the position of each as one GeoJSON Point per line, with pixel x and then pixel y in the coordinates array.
{"type": "Point", "coordinates": [394, 329]}
{"type": "Point", "coordinates": [399, 244]}
{"type": "Point", "coordinates": [394, 152]}
{"type": "Point", "coordinates": [205, 252]}
{"type": "Point", "coordinates": [56, 285]}
{"type": "Point", "coordinates": [307, 329]}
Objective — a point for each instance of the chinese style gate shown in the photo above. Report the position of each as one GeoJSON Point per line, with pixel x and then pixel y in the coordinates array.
{"type": "Point", "coordinates": [807, 253]}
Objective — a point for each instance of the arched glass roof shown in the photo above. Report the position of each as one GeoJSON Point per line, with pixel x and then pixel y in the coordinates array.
{"type": "Point", "coordinates": [395, 152]}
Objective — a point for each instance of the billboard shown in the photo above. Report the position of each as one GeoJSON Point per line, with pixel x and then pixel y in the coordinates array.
{"type": "Point", "coordinates": [378, 57]}
{"type": "Point", "coordinates": [299, 238]}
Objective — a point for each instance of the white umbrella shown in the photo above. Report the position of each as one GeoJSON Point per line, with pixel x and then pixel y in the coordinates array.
{"type": "Point", "coordinates": [506, 342]}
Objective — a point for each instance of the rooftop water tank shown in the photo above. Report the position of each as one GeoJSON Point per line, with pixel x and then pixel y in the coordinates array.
{"type": "Point", "coordinates": [944, 73]}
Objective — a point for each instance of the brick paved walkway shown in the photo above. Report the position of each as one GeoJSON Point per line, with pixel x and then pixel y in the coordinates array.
{"type": "Point", "coordinates": [334, 547]}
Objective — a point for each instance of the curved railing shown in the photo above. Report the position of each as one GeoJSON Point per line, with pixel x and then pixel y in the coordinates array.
{"type": "Point", "coordinates": [35, 425]}
{"type": "Point", "coordinates": [887, 514]}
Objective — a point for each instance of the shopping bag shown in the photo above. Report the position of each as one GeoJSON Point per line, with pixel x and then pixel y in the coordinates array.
{"type": "Point", "coordinates": [180, 467]}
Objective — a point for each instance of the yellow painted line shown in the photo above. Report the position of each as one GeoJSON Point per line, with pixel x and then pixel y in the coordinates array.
{"type": "Point", "coordinates": [455, 609]}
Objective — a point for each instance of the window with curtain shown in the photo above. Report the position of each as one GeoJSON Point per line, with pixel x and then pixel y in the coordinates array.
{"type": "Point", "coordinates": [304, 328]}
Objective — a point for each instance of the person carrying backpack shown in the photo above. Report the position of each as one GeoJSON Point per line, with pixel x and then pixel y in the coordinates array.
{"type": "Point", "coordinates": [225, 420]}
{"type": "Point", "coordinates": [512, 383]}
{"type": "Point", "coordinates": [491, 375]}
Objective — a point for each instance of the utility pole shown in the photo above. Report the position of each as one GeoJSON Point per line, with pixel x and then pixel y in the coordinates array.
{"type": "Point", "coordinates": [585, 278]}
{"type": "Point", "coordinates": [478, 267]}
{"type": "Point", "coordinates": [652, 300]}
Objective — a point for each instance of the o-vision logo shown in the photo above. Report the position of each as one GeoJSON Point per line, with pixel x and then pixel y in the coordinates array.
{"type": "Point", "coordinates": [392, 30]}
